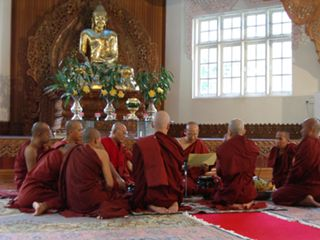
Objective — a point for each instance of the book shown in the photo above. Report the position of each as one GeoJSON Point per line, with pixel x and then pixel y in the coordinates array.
{"type": "Point", "coordinates": [197, 160]}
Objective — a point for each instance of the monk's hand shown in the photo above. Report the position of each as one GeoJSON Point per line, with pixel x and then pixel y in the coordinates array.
{"type": "Point", "coordinates": [213, 172]}
{"type": "Point", "coordinates": [205, 167]}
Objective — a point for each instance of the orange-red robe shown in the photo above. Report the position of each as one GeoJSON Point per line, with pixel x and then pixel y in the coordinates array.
{"type": "Point", "coordinates": [281, 163]}
{"type": "Point", "coordinates": [304, 175]}
{"type": "Point", "coordinates": [236, 160]}
{"type": "Point", "coordinates": [157, 162]}
{"type": "Point", "coordinates": [194, 172]}
{"type": "Point", "coordinates": [20, 165]}
{"type": "Point", "coordinates": [41, 183]}
{"type": "Point", "coordinates": [119, 156]}
{"type": "Point", "coordinates": [82, 186]}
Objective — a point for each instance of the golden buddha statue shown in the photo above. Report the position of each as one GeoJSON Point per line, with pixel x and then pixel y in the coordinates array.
{"type": "Point", "coordinates": [100, 45]}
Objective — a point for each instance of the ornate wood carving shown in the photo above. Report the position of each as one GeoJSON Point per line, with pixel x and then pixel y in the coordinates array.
{"type": "Point", "coordinates": [58, 35]}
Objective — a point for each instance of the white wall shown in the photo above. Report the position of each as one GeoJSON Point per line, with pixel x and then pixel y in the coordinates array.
{"type": "Point", "coordinates": [182, 108]}
{"type": "Point", "coordinates": [5, 33]}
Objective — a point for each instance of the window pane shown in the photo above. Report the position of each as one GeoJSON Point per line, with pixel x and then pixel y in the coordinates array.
{"type": "Point", "coordinates": [204, 87]}
{"type": "Point", "coordinates": [261, 51]}
{"type": "Point", "coordinates": [236, 70]}
{"type": "Point", "coordinates": [251, 32]}
{"type": "Point", "coordinates": [204, 71]}
{"type": "Point", "coordinates": [286, 28]}
{"type": "Point", "coordinates": [287, 84]}
{"type": "Point", "coordinates": [227, 34]}
{"type": "Point", "coordinates": [213, 25]}
{"type": "Point", "coordinates": [261, 84]}
{"type": "Point", "coordinates": [276, 66]}
{"type": "Point", "coordinates": [261, 31]}
{"type": "Point", "coordinates": [236, 53]}
{"type": "Point", "coordinates": [236, 22]}
{"type": "Point", "coordinates": [227, 23]}
{"type": "Point", "coordinates": [251, 84]}
{"type": "Point", "coordinates": [213, 36]}
{"type": "Point", "coordinates": [261, 67]}
{"type": "Point", "coordinates": [251, 20]}
{"type": "Point", "coordinates": [276, 17]}
{"type": "Point", "coordinates": [226, 88]}
{"type": "Point", "coordinates": [276, 29]}
{"type": "Point", "coordinates": [236, 85]}
{"type": "Point", "coordinates": [212, 55]}
{"type": "Point", "coordinates": [213, 86]}
{"type": "Point", "coordinates": [251, 52]}
{"type": "Point", "coordinates": [212, 70]}
{"type": "Point", "coordinates": [287, 66]}
{"type": "Point", "coordinates": [227, 55]}
{"type": "Point", "coordinates": [286, 49]}
{"type": "Point", "coordinates": [276, 84]}
{"type": "Point", "coordinates": [204, 26]}
{"type": "Point", "coordinates": [204, 37]}
{"type": "Point", "coordinates": [261, 19]}
{"type": "Point", "coordinates": [251, 68]}
{"type": "Point", "coordinates": [276, 50]}
{"type": "Point", "coordinates": [204, 55]}
{"type": "Point", "coordinates": [236, 33]}
{"type": "Point", "coordinates": [285, 17]}
{"type": "Point", "coordinates": [227, 70]}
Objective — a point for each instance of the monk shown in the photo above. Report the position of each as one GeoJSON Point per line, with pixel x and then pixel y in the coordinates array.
{"type": "Point", "coordinates": [190, 143]}
{"type": "Point", "coordinates": [30, 151]}
{"type": "Point", "coordinates": [157, 162]}
{"type": "Point", "coordinates": [236, 159]}
{"type": "Point", "coordinates": [74, 131]}
{"type": "Point", "coordinates": [119, 155]}
{"type": "Point", "coordinates": [87, 183]}
{"type": "Point", "coordinates": [303, 183]}
{"type": "Point", "coordinates": [40, 188]}
{"type": "Point", "coordinates": [280, 158]}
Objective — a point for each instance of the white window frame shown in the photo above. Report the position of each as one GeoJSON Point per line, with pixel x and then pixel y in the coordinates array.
{"type": "Point", "coordinates": [243, 42]}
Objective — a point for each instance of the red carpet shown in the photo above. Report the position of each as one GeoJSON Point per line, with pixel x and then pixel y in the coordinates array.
{"type": "Point", "coordinates": [261, 226]}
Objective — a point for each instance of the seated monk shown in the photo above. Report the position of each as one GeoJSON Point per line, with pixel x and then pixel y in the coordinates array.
{"type": "Point", "coordinates": [157, 162]}
{"type": "Point", "coordinates": [119, 155]}
{"type": "Point", "coordinates": [303, 183]}
{"type": "Point", "coordinates": [280, 158]}
{"type": "Point", "coordinates": [74, 131]}
{"type": "Point", "coordinates": [236, 160]}
{"type": "Point", "coordinates": [40, 188]}
{"type": "Point", "coordinates": [30, 151]}
{"type": "Point", "coordinates": [190, 143]}
{"type": "Point", "coordinates": [87, 184]}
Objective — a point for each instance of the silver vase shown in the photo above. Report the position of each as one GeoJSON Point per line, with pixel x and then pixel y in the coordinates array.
{"type": "Point", "coordinates": [151, 111]}
{"type": "Point", "coordinates": [76, 108]}
{"type": "Point", "coordinates": [109, 110]}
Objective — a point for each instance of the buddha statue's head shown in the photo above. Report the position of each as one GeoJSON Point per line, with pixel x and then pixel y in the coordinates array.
{"type": "Point", "coordinates": [99, 18]}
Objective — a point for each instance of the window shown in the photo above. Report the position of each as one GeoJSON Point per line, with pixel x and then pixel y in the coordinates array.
{"type": "Point", "coordinates": [243, 54]}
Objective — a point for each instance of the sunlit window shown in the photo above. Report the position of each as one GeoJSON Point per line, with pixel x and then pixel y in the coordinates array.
{"type": "Point", "coordinates": [243, 54]}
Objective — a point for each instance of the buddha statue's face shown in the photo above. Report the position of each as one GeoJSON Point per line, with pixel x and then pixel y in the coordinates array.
{"type": "Point", "coordinates": [100, 22]}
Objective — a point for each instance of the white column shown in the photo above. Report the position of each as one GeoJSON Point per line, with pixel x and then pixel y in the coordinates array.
{"type": "Point", "coordinates": [5, 51]}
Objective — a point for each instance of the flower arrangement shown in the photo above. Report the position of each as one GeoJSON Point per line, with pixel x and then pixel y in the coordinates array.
{"type": "Point", "coordinates": [72, 79]}
{"type": "Point", "coordinates": [154, 86]}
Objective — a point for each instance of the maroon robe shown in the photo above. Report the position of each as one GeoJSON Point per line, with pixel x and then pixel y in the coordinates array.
{"type": "Point", "coordinates": [59, 144]}
{"type": "Point", "coordinates": [119, 156]}
{"type": "Point", "coordinates": [41, 183]}
{"type": "Point", "coordinates": [304, 175]}
{"type": "Point", "coordinates": [157, 163]}
{"type": "Point", "coordinates": [281, 163]}
{"type": "Point", "coordinates": [20, 165]}
{"type": "Point", "coordinates": [194, 172]}
{"type": "Point", "coordinates": [82, 186]}
{"type": "Point", "coordinates": [236, 160]}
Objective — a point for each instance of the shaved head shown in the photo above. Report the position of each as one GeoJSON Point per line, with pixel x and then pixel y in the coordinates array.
{"type": "Point", "coordinates": [118, 132]}
{"type": "Point", "coordinates": [310, 128]}
{"type": "Point", "coordinates": [191, 132]}
{"type": "Point", "coordinates": [161, 122]}
{"type": "Point", "coordinates": [283, 134]}
{"type": "Point", "coordinates": [192, 124]}
{"type": "Point", "coordinates": [282, 139]}
{"type": "Point", "coordinates": [236, 127]}
{"type": "Point", "coordinates": [118, 126]}
{"type": "Point", "coordinates": [74, 131]}
{"type": "Point", "coordinates": [90, 135]}
{"type": "Point", "coordinates": [38, 128]}
{"type": "Point", "coordinates": [71, 125]}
